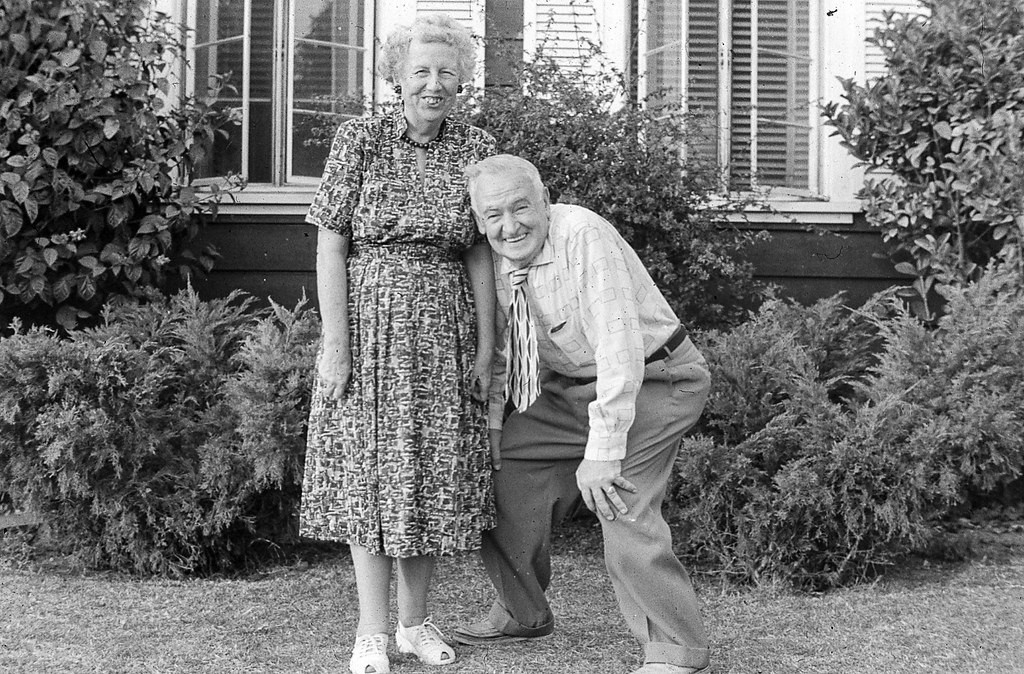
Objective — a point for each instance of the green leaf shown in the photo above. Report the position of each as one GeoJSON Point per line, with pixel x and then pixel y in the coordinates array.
{"type": "Point", "coordinates": [38, 285]}
{"type": "Point", "coordinates": [50, 256]}
{"type": "Point", "coordinates": [111, 125]}
{"type": "Point", "coordinates": [69, 57]}
{"type": "Point", "coordinates": [56, 38]}
{"type": "Point", "coordinates": [24, 264]}
{"type": "Point", "coordinates": [943, 129]}
{"type": "Point", "coordinates": [20, 191]}
{"type": "Point", "coordinates": [86, 287]}
{"type": "Point", "coordinates": [151, 223]}
{"type": "Point", "coordinates": [18, 41]}
{"type": "Point", "coordinates": [62, 288]}
{"type": "Point", "coordinates": [31, 209]}
{"type": "Point", "coordinates": [51, 157]}
{"type": "Point", "coordinates": [98, 49]}
{"type": "Point", "coordinates": [11, 218]}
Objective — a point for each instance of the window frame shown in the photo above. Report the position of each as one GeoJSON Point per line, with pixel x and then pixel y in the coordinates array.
{"type": "Point", "coordinates": [282, 86]}
{"type": "Point", "coordinates": [727, 97]}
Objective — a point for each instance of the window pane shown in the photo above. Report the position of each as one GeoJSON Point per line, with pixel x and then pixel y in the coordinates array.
{"type": "Point", "coordinates": [219, 28]}
{"type": "Point", "coordinates": [782, 80]}
{"type": "Point", "coordinates": [665, 50]}
{"type": "Point", "coordinates": [702, 72]}
{"type": "Point", "coordinates": [742, 79]}
{"type": "Point", "coordinates": [327, 77]}
{"type": "Point", "coordinates": [261, 92]}
{"type": "Point", "coordinates": [783, 140]}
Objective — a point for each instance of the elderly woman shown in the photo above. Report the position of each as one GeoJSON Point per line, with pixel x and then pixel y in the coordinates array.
{"type": "Point", "coordinates": [397, 460]}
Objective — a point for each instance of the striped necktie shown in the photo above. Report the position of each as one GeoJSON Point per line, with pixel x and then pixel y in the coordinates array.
{"type": "Point", "coordinates": [523, 383]}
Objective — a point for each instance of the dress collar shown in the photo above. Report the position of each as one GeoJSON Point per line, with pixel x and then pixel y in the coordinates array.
{"type": "Point", "coordinates": [402, 125]}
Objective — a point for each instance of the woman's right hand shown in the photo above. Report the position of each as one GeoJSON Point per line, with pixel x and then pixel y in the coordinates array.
{"type": "Point", "coordinates": [335, 370]}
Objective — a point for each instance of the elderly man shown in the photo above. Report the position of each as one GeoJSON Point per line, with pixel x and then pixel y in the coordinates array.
{"type": "Point", "coordinates": [597, 385]}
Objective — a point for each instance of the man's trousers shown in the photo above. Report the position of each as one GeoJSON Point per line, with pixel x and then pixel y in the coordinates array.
{"type": "Point", "coordinates": [536, 488]}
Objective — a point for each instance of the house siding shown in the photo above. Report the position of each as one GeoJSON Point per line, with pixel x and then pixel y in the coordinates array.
{"type": "Point", "coordinates": [271, 253]}
{"type": "Point", "coordinates": [274, 257]}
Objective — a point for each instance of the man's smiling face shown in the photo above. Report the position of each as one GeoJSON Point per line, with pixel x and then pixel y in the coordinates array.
{"type": "Point", "coordinates": [513, 212]}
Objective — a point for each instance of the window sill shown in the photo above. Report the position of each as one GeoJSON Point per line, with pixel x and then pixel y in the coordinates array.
{"type": "Point", "coordinates": [265, 199]}
{"type": "Point", "coordinates": [294, 200]}
{"type": "Point", "coordinates": [801, 212]}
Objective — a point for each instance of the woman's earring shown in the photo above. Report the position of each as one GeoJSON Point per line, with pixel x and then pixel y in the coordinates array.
{"type": "Point", "coordinates": [459, 89]}
{"type": "Point", "coordinates": [398, 88]}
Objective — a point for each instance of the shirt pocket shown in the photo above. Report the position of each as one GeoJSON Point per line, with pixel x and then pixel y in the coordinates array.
{"type": "Point", "coordinates": [565, 334]}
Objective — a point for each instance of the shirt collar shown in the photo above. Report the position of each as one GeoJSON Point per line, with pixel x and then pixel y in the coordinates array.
{"type": "Point", "coordinates": [545, 256]}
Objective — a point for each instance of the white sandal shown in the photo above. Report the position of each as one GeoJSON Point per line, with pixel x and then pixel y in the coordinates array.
{"type": "Point", "coordinates": [370, 655]}
{"type": "Point", "coordinates": [426, 642]}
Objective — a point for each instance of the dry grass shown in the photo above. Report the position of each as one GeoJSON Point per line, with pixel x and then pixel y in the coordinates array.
{"type": "Point", "coordinates": [964, 618]}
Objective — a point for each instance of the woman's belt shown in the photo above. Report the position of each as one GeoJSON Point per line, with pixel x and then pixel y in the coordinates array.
{"type": "Point", "coordinates": [415, 249]}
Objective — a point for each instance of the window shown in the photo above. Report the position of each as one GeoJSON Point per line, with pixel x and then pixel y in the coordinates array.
{"type": "Point", "coordinates": [287, 61]}
{"type": "Point", "coordinates": [749, 66]}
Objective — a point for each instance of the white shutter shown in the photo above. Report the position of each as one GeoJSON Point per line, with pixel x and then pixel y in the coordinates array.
{"type": "Point", "coordinates": [563, 29]}
{"type": "Point", "coordinates": [874, 62]}
{"type": "Point", "coordinates": [467, 12]}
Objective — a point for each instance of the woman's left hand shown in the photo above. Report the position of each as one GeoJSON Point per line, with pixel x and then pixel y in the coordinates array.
{"type": "Point", "coordinates": [481, 387]}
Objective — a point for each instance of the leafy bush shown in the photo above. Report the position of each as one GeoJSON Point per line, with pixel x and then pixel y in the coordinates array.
{"type": "Point", "coordinates": [945, 125]}
{"type": "Point", "coordinates": [95, 166]}
{"type": "Point", "coordinates": [167, 440]}
{"type": "Point", "coordinates": [834, 439]}
{"type": "Point", "coordinates": [626, 163]}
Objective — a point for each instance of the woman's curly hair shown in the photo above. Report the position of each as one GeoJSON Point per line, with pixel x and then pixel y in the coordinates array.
{"type": "Point", "coordinates": [428, 28]}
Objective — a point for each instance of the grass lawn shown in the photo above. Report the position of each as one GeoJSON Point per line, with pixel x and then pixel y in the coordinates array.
{"type": "Point", "coordinates": [922, 617]}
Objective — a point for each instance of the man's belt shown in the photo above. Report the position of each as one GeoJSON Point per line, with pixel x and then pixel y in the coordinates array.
{"type": "Point", "coordinates": [670, 345]}
{"type": "Point", "coordinates": [666, 349]}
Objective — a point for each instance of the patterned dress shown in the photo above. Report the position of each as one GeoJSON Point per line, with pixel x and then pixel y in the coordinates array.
{"type": "Point", "coordinates": [401, 465]}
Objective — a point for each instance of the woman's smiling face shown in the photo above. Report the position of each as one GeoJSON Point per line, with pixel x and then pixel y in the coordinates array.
{"type": "Point", "coordinates": [430, 81]}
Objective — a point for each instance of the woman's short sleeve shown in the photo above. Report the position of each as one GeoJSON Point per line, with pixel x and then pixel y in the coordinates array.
{"type": "Point", "coordinates": [336, 199]}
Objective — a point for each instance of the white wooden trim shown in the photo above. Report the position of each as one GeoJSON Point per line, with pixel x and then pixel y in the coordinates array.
{"type": "Point", "coordinates": [814, 120]}
{"type": "Point", "coordinates": [246, 89]}
{"type": "Point", "coordinates": [755, 83]}
{"type": "Point", "coordinates": [643, 10]}
{"type": "Point", "coordinates": [611, 23]}
{"type": "Point", "coordinates": [725, 88]}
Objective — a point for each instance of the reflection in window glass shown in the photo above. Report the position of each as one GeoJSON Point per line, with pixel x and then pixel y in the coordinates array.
{"type": "Point", "coordinates": [281, 93]}
{"type": "Point", "coordinates": [328, 62]}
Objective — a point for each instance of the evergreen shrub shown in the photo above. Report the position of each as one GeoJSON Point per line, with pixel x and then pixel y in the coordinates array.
{"type": "Point", "coordinates": [967, 376]}
{"type": "Point", "coordinates": [97, 161]}
{"type": "Point", "coordinates": [169, 439]}
{"type": "Point", "coordinates": [834, 440]}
